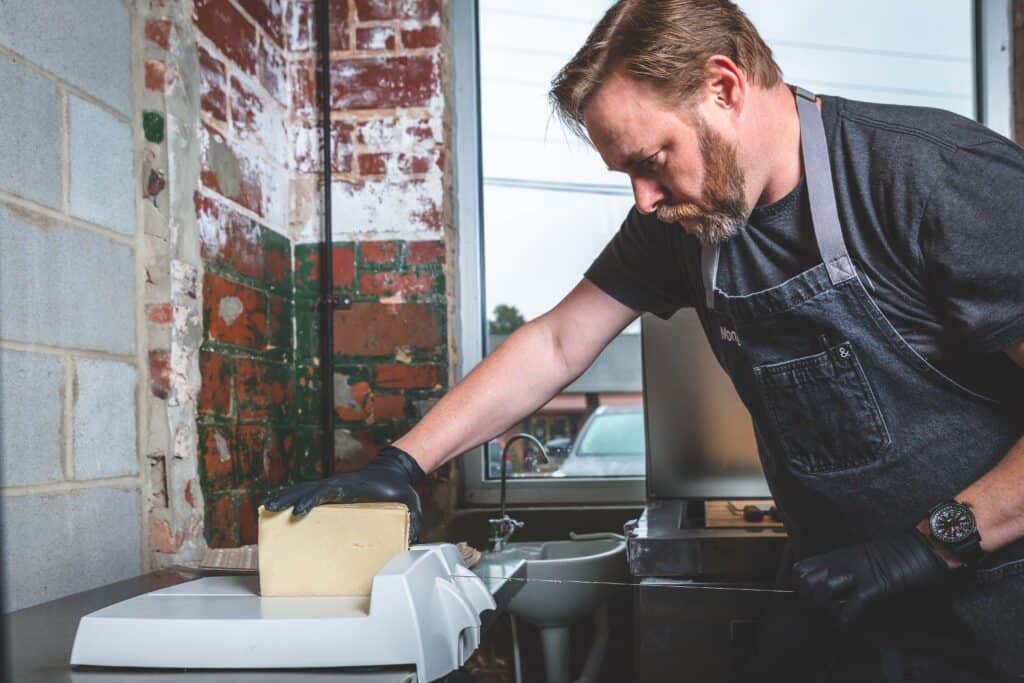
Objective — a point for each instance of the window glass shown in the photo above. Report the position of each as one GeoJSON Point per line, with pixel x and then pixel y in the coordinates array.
{"type": "Point", "coordinates": [550, 204]}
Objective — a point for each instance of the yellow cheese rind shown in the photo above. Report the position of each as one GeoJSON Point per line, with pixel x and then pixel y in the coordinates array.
{"type": "Point", "coordinates": [335, 550]}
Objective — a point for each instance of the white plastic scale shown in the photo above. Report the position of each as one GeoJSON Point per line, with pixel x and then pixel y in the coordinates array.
{"type": "Point", "coordinates": [417, 613]}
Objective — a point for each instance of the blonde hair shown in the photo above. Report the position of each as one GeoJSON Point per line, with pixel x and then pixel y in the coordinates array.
{"type": "Point", "coordinates": [665, 43]}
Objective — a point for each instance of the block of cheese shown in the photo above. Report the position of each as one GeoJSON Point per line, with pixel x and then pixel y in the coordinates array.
{"type": "Point", "coordinates": [335, 550]}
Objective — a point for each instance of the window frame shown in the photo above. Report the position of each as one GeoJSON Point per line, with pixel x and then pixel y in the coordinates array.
{"type": "Point", "coordinates": [993, 107]}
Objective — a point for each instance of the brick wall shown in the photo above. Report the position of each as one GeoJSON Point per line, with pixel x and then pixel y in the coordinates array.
{"type": "Point", "coordinates": [70, 306]}
{"type": "Point", "coordinates": [1018, 68]}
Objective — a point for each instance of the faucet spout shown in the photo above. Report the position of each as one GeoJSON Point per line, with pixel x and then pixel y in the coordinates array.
{"type": "Point", "coordinates": [504, 526]}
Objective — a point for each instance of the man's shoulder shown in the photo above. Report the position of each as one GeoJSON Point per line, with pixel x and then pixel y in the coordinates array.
{"type": "Point", "coordinates": [925, 128]}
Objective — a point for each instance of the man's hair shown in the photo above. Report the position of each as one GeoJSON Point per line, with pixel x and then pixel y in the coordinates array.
{"type": "Point", "coordinates": [665, 43]}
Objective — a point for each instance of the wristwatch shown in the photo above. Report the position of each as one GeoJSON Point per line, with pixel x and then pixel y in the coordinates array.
{"type": "Point", "coordinates": [953, 525]}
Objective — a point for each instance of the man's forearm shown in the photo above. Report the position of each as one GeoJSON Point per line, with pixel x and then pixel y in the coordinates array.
{"type": "Point", "coordinates": [997, 501]}
{"type": "Point", "coordinates": [516, 379]}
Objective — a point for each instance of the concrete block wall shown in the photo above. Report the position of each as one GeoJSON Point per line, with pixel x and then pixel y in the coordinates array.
{"type": "Point", "coordinates": [70, 306]}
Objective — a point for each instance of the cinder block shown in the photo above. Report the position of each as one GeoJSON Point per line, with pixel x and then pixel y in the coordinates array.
{"type": "Point", "coordinates": [101, 167]}
{"type": "Point", "coordinates": [30, 145]}
{"type": "Point", "coordinates": [86, 44]}
{"type": "Point", "coordinates": [30, 418]}
{"type": "Point", "coordinates": [64, 286]}
{"type": "Point", "coordinates": [63, 543]}
{"type": "Point", "coordinates": [104, 419]}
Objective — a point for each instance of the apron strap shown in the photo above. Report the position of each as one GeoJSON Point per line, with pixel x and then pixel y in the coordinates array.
{"type": "Point", "coordinates": [821, 193]}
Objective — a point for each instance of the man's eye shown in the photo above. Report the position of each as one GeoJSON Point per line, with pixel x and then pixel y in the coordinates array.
{"type": "Point", "coordinates": [649, 164]}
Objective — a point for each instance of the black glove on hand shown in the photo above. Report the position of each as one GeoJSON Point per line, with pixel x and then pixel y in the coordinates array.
{"type": "Point", "coordinates": [390, 477]}
{"type": "Point", "coordinates": [842, 584]}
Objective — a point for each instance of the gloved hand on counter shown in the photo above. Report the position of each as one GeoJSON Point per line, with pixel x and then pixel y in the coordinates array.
{"type": "Point", "coordinates": [843, 584]}
{"type": "Point", "coordinates": [390, 477]}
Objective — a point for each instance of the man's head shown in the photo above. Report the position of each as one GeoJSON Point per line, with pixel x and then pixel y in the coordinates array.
{"type": "Point", "coordinates": [660, 88]}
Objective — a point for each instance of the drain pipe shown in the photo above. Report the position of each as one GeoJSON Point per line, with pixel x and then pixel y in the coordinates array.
{"type": "Point", "coordinates": [328, 302]}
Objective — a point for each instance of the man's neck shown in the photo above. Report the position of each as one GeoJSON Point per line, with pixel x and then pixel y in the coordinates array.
{"type": "Point", "coordinates": [779, 133]}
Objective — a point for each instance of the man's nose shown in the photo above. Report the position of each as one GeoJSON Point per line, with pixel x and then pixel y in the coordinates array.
{"type": "Point", "coordinates": [648, 195]}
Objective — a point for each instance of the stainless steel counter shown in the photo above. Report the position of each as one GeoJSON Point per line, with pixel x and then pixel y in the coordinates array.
{"type": "Point", "coordinates": [40, 637]}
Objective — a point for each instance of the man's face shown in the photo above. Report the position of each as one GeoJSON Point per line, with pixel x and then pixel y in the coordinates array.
{"type": "Point", "coordinates": [681, 169]}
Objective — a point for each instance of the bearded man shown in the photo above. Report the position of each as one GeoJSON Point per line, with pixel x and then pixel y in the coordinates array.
{"type": "Point", "coordinates": [858, 271]}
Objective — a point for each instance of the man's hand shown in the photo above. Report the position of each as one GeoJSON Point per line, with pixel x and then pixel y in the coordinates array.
{"type": "Point", "coordinates": [390, 477]}
{"type": "Point", "coordinates": [845, 583]}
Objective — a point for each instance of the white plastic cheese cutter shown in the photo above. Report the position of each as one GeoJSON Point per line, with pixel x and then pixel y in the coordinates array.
{"type": "Point", "coordinates": [417, 613]}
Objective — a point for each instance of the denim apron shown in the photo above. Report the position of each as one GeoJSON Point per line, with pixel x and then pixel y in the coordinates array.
{"type": "Point", "coordinates": [858, 435]}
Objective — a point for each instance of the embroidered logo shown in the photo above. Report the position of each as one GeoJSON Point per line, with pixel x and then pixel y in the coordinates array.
{"type": "Point", "coordinates": [729, 335]}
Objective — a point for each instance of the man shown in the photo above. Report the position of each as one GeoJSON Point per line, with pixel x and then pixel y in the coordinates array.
{"type": "Point", "coordinates": [858, 271]}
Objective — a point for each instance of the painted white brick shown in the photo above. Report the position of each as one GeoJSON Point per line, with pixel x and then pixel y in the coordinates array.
{"type": "Point", "coordinates": [30, 418]}
{"type": "Point", "coordinates": [101, 167]}
{"type": "Point", "coordinates": [63, 543]}
{"type": "Point", "coordinates": [30, 143]}
{"type": "Point", "coordinates": [88, 44]}
{"type": "Point", "coordinates": [64, 286]}
{"type": "Point", "coordinates": [104, 419]}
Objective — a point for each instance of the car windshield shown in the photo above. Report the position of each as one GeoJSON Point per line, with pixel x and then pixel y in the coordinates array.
{"type": "Point", "coordinates": [614, 434]}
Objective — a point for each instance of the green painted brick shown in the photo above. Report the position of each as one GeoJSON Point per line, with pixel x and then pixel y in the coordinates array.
{"type": "Point", "coordinates": [153, 126]}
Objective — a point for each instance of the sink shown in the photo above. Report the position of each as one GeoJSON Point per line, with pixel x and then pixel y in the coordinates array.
{"type": "Point", "coordinates": [552, 606]}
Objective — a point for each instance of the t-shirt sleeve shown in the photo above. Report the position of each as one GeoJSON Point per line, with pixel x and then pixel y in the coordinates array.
{"type": "Point", "coordinates": [972, 245]}
{"type": "Point", "coordinates": [643, 266]}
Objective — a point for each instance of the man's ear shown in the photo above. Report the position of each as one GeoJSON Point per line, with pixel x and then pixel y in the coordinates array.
{"type": "Point", "coordinates": [725, 84]}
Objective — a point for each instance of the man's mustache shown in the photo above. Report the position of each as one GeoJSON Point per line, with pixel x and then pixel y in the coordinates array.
{"type": "Point", "coordinates": [671, 213]}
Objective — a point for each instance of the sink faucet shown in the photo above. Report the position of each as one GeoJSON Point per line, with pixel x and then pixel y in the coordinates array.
{"type": "Point", "coordinates": [503, 527]}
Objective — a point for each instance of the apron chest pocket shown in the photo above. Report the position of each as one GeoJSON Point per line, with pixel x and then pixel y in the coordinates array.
{"type": "Point", "coordinates": [824, 411]}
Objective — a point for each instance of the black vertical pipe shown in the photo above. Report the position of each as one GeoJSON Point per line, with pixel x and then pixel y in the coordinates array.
{"type": "Point", "coordinates": [978, 17]}
{"type": "Point", "coordinates": [326, 264]}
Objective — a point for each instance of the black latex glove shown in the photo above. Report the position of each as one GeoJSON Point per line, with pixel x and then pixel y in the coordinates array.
{"type": "Point", "coordinates": [390, 477]}
{"type": "Point", "coordinates": [843, 584]}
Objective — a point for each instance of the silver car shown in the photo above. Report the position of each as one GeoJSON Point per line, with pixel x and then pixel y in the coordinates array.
{"type": "Point", "coordinates": [611, 444]}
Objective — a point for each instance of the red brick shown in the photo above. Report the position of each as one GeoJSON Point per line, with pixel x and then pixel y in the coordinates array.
{"type": "Point", "coordinates": [388, 406]}
{"type": "Point", "coordinates": [189, 497]}
{"type": "Point", "coordinates": [380, 329]}
{"type": "Point", "coordinates": [155, 73]}
{"type": "Point", "coordinates": [217, 225]}
{"type": "Point", "coordinates": [157, 31]}
{"type": "Point", "coordinates": [221, 529]}
{"type": "Point", "coordinates": [220, 156]}
{"type": "Point", "coordinates": [229, 30]}
{"type": "Point", "coordinates": [215, 391]}
{"type": "Point", "coordinates": [343, 266]}
{"type": "Point", "coordinates": [212, 96]}
{"type": "Point", "coordinates": [277, 266]}
{"type": "Point", "coordinates": [246, 108]}
{"type": "Point", "coordinates": [353, 403]}
{"type": "Point", "coordinates": [425, 252]}
{"type": "Point", "coordinates": [375, 38]}
{"type": "Point", "coordinates": [160, 314]}
{"type": "Point", "coordinates": [383, 82]}
{"type": "Point", "coordinates": [274, 72]}
{"type": "Point", "coordinates": [260, 394]}
{"type": "Point", "coordinates": [372, 10]}
{"type": "Point", "coordinates": [247, 249]}
{"type": "Point", "coordinates": [373, 164]}
{"type": "Point", "coordinates": [388, 284]}
{"type": "Point", "coordinates": [424, 36]}
{"type": "Point", "coordinates": [339, 28]}
{"type": "Point", "coordinates": [215, 448]}
{"type": "Point", "coordinates": [279, 319]}
{"type": "Point", "coordinates": [248, 522]}
{"type": "Point", "coordinates": [300, 25]}
{"type": "Point", "coordinates": [235, 314]}
{"type": "Point", "coordinates": [302, 76]}
{"type": "Point", "coordinates": [163, 540]}
{"type": "Point", "coordinates": [160, 373]}
{"type": "Point", "coordinates": [341, 146]}
{"type": "Point", "coordinates": [250, 450]}
{"type": "Point", "coordinates": [378, 252]}
{"type": "Point", "coordinates": [406, 376]}
{"type": "Point", "coordinates": [269, 15]}
{"type": "Point", "coordinates": [278, 456]}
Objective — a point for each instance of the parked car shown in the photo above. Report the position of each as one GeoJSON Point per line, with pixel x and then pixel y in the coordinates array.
{"type": "Point", "coordinates": [610, 444]}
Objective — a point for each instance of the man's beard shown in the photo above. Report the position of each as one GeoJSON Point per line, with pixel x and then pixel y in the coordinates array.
{"type": "Point", "coordinates": [722, 211]}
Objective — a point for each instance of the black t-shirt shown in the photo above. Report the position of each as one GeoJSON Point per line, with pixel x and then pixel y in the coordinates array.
{"type": "Point", "coordinates": [932, 210]}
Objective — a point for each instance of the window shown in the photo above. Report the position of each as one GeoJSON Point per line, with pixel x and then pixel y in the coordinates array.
{"type": "Point", "coordinates": [545, 204]}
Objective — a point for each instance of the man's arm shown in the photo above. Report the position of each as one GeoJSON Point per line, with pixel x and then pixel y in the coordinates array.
{"type": "Point", "coordinates": [529, 368]}
{"type": "Point", "coordinates": [997, 498]}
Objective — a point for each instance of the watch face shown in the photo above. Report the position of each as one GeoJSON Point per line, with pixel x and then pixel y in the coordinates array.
{"type": "Point", "coordinates": [952, 523]}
